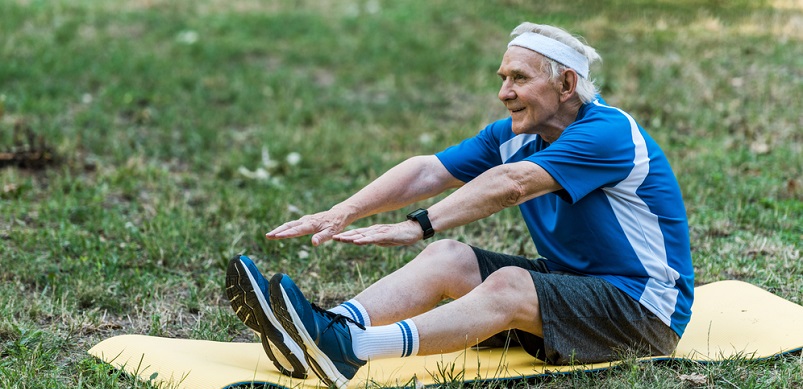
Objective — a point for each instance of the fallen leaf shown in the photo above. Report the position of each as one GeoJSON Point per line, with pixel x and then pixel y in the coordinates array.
{"type": "Point", "coordinates": [759, 147]}
{"type": "Point", "coordinates": [694, 378]}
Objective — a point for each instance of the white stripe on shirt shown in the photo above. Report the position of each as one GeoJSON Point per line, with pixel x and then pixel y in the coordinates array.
{"type": "Point", "coordinates": [514, 144]}
{"type": "Point", "coordinates": [643, 231]}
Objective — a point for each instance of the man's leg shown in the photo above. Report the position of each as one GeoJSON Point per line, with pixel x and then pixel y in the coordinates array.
{"type": "Point", "coordinates": [445, 269]}
{"type": "Point", "coordinates": [334, 345]}
{"type": "Point", "coordinates": [449, 269]}
{"type": "Point", "coordinates": [507, 299]}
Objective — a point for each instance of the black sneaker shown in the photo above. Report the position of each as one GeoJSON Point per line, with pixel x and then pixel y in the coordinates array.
{"type": "Point", "coordinates": [324, 336]}
{"type": "Point", "coordinates": [248, 292]}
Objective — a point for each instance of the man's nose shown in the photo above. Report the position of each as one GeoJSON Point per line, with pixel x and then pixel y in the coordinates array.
{"type": "Point", "coordinates": [506, 92]}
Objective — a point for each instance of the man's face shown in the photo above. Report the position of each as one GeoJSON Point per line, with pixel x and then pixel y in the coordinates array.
{"type": "Point", "coordinates": [526, 91]}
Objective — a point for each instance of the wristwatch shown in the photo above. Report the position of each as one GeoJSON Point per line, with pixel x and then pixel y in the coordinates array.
{"type": "Point", "coordinates": [420, 215]}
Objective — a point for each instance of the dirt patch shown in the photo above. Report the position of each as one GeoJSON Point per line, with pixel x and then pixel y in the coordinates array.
{"type": "Point", "coordinates": [28, 150]}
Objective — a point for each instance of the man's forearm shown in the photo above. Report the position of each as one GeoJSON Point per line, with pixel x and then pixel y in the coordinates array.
{"type": "Point", "coordinates": [415, 179]}
{"type": "Point", "coordinates": [501, 187]}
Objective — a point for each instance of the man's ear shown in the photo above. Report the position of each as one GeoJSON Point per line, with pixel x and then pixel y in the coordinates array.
{"type": "Point", "coordinates": [568, 79]}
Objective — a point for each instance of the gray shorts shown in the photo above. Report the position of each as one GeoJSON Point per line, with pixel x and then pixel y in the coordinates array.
{"type": "Point", "coordinates": [586, 319]}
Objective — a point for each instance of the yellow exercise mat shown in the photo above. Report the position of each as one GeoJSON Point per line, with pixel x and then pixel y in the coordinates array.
{"type": "Point", "coordinates": [730, 318]}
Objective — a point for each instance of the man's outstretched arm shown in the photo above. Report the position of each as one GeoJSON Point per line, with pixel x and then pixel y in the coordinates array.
{"type": "Point", "coordinates": [415, 179]}
{"type": "Point", "coordinates": [496, 189]}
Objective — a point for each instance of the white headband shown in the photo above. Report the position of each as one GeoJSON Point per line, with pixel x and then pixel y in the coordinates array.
{"type": "Point", "coordinates": [554, 50]}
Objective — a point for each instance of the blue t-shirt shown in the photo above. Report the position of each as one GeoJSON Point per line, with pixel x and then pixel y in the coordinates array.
{"type": "Point", "coordinates": [620, 214]}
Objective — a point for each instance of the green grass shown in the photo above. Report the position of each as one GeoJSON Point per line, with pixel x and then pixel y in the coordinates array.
{"type": "Point", "coordinates": [153, 107]}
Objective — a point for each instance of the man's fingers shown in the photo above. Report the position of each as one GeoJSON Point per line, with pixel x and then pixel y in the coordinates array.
{"type": "Point", "coordinates": [322, 226]}
{"type": "Point", "coordinates": [322, 237]}
{"type": "Point", "coordinates": [348, 235]}
{"type": "Point", "coordinates": [382, 235]}
{"type": "Point", "coordinates": [352, 235]}
{"type": "Point", "coordinates": [286, 230]}
{"type": "Point", "coordinates": [294, 229]}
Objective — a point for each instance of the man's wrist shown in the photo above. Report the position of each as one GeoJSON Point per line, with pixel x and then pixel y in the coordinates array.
{"type": "Point", "coordinates": [421, 216]}
{"type": "Point", "coordinates": [349, 212]}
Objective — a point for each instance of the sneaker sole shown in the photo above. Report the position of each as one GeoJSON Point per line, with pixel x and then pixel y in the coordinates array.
{"type": "Point", "coordinates": [238, 297]}
{"type": "Point", "coordinates": [250, 306]}
{"type": "Point", "coordinates": [323, 367]}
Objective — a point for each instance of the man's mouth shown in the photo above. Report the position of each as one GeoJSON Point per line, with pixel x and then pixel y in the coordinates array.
{"type": "Point", "coordinates": [514, 110]}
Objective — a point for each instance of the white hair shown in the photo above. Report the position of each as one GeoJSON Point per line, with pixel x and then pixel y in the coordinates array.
{"type": "Point", "coordinates": [585, 89]}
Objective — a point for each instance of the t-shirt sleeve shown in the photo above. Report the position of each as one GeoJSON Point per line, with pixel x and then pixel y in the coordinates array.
{"type": "Point", "coordinates": [587, 157]}
{"type": "Point", "coordinates": [473, 156]}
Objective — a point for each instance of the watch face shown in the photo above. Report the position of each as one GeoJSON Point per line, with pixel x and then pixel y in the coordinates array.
{"type": "Point", "coordinates": [415, 214]}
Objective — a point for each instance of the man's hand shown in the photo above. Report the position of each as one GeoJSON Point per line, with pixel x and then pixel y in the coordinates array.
{"type": "Point", "coordinates": [324, 225]}
{"type": "Point", "coordinates": [399, 234]}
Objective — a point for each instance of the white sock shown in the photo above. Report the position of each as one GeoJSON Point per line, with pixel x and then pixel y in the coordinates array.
{"type": "Point", "coordinates": [353, 310]}
{"type": "Point", "coordinates": [395, 340]}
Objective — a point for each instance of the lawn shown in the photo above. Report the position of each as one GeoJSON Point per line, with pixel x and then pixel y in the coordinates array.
{"type": "Point", "coordinates": [143, 143]}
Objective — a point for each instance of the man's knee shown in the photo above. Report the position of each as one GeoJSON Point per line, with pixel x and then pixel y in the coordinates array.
{"type": "Point", "coordinates": [448, 246]}
{"type": "Point", "coordinates": [514, 292]}
{"type": "Point", "coordinates": [510, 281]}
{"type": "Point", "coordinates": [450, 253]}
{"type": "Point", "coordinates": [453, 263]}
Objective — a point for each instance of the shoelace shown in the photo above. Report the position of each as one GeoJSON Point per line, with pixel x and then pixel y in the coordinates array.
{"type": "Point", "coordinates": [336, 318]}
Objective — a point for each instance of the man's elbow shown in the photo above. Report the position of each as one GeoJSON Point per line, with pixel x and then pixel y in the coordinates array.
{"type": "Point", "coordinates": [432, 173]}
{"type": "Point", "coordinates": [515, 191]}
{"type": "Point", "coordinates": [524, 181]}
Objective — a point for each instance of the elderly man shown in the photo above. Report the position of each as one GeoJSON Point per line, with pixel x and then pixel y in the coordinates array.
{"type": "Point", "coordinates": [599, 199]}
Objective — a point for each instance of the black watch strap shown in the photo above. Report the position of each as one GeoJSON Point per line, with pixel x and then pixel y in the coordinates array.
{"type": "Point", "coordinates": [421, 216]}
